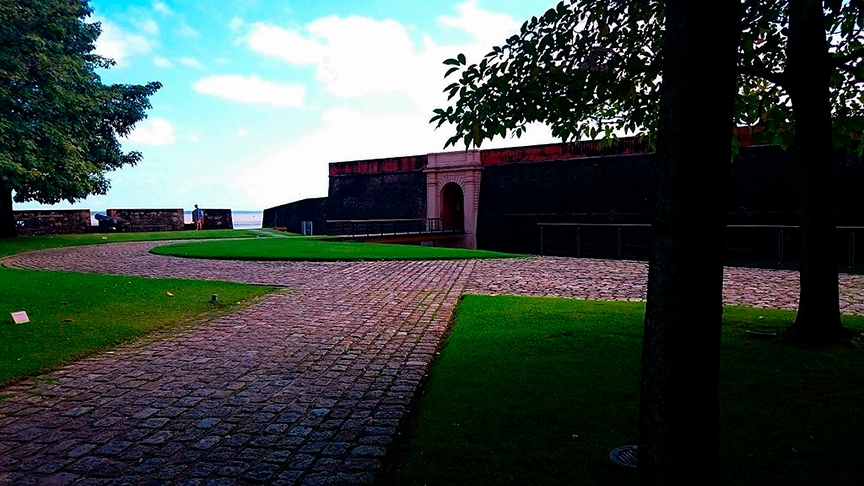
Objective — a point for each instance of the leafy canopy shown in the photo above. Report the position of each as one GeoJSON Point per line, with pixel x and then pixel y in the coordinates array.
{"type": "Point", "coordinates": [58, 123]}
{"type": "Point", "coordinates": [590, 68]}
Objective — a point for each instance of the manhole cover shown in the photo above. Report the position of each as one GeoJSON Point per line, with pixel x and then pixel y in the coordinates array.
{"type": "Point", "coordinates": [624, 456]}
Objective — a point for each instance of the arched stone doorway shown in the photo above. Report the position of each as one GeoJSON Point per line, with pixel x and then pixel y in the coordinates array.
{"type": "Point", "coordinates": [452, 207]}
{"type": "Point", "coordinates": [453, 191]}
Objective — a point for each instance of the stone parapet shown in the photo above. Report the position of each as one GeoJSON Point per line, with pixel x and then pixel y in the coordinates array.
{"type": "Point", "coordinates": [148, 219]}
{"type": "Point", "coordinates": [52, 221]}
{"type": "Point", "coordinates": [218, 219]}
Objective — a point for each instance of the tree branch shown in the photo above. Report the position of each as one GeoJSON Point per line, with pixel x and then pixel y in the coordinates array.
{"type": "Point", "coordinates": [775, 77]}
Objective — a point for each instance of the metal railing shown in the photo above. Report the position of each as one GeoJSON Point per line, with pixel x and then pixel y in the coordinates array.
{"type": "Point", "coordinates": [772, 246]}
{"type": "Point", "coordinates": [386, 227]}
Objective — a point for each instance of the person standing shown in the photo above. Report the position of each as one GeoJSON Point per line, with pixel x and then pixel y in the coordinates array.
{"type": "Point", "coordinates": [198, 218]}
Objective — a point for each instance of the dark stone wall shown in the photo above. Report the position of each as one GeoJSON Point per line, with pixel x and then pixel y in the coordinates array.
{"type": "Point", "coordinates": [514, 197]}
{"type": "Point", "coordinates": [53, 221]}
{"type": "Point", "coordinates": [399, 195]}
{"type": "Point", "coordinates": [290, 216]}
{"type": "Point", "coordinates": [218, 219]}
{"type": "Point", "coordinates": [763, 187]}
{"type": "Point", "coordinates": [149, 219]}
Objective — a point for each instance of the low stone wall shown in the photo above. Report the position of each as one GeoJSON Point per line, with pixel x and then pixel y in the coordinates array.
{"type": "Point", "coordinates": [148, 219]}
{"type": "Point", "coordinates": [52, 221]}
{"type": "Point", "coordinates": [218, 219]}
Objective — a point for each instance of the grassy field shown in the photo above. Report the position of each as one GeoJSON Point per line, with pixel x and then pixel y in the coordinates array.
{"type": "Point", "coordinates": [313, 249]}
{"type": "Point", "coordinates": [21, 244]}
{"type": "Point", "coordinates": [538, 391]}
{"type": "Point", "coordinates": [74, 314]}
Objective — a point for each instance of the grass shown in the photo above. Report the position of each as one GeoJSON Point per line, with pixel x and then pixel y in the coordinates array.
{"type": "Point", "coordinates": [313, 249]}
{"type": "Point", "coordinates": [29, 243]}
{"type": "Point", "coordinates": [539, 390]}
{"type": "Point", "coordinates": [73, 314]}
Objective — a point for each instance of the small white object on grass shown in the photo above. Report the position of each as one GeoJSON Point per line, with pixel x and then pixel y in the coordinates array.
{"type": "Point", "coordinates": [20, 317]}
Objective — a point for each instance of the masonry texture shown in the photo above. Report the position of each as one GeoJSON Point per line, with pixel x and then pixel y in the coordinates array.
{"type": "Point", "coordinates": [149, 219]}
{"type": "Point", "coordinates": [307, 386]}
{"type": "Point", "coordinates": [218, 219]}
{"type": "Point", "coordinates": [54, 221]}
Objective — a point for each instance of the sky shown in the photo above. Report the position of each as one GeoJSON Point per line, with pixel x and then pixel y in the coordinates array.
{"type": "Point", "coordinates": [260, 95]}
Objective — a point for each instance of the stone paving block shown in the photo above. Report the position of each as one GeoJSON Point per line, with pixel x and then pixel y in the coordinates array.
{"type": "Point", "coordinates": [316, 379]}
{"type": "Point", "coordinates": [262, 472]}
{"type": "Point", "coordinates": [233, 469]}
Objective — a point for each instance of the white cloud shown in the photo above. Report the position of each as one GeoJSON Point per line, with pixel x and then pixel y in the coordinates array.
{"type": "Point", "coordinates": [153, 131]}
{"type": "Point", "coordinates": [242, 133]}
{"type": "Point", "coordinates": [288, 45]}
{"type": "Point", "coordinates": [252, 89]}
{"type": "Point", "coordinates": [162, 8]}
{"type": "Point", "coordinates": [186, 30]}
{"type": "Point", "coordinates": [190, 62]}
{"type": "Point", "coordinates": [120, 45]}
{"type": "Point", "coordinates": [148, 26]}
{"type": "Point", "coordinates": [162, 62]}
{"type": "Point", "coordinates": [489, 28]}
{"type": "Point", "coordinates": [358, 56]}
{"type": "Point", "coordinates": [236, 24]}
{"type": "Point", "coordinates": [353, 56]}
{"type": "Point", "coordinates": [194, 138]}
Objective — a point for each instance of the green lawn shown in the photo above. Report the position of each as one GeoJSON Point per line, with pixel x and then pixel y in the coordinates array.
{"type": "Point", "coordinates": [538, 391]}
{"type": "Point", "coordinates": [314, 249]}
{"type": "Point", "coordinates": [74, 314]}
{"type": "Point", "coordinates": [29, 243]}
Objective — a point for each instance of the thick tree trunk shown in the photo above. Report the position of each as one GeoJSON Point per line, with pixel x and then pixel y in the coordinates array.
{"type": "Point", "coordinates": [808, 71]}
{"type": "Point", "coordinates": [679, 410]}
{"type": "Point", "coordinates": [7, 219]}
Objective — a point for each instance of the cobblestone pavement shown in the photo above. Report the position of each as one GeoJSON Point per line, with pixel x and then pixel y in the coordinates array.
{"type": "Point", "coordinates": [306, 387]}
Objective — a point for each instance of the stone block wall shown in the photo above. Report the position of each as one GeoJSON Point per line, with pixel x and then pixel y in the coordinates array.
{"type": "Point", "coordinates": [291, 216]}
{"type": "Point", "coordinates": [763, 190]}
{"type": "Point", "coordinates": [53, 221]}
{"type": "Point", "coordinates": [218, 219]}
{"type": "Point", "coordinates": [397, 195]}
{"type": "Point", "coordinates": [149, 219]}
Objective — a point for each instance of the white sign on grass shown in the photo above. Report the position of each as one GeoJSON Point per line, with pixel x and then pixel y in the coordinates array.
{"type": "Point", "coordinates": [20, 317]}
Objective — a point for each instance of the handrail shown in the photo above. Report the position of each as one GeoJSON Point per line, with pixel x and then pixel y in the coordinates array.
{"type": "Point", "coordinates": [392, 227]}
{"type": "Point", "coordinates": [747, 244]}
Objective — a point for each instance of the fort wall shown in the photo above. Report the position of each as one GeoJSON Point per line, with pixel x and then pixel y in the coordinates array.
{"type": "Point", "coordinates": [52, 221]}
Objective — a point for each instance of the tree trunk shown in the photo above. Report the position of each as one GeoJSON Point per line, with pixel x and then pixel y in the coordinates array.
{"type": "Point", "coordinates": [679, 415]}
{"type": "Point", "coordinates": [7, 218]}
{"type": "Point", "coordinates": [809, 72]}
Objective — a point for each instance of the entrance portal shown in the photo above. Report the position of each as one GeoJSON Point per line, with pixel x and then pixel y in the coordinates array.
{"type": "Point", "coordinates": [453, 192]}
{"type": "Point", "coordinates": [452, 207]}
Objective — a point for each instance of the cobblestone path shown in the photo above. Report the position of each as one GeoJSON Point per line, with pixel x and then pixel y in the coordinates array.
{"type": "Point", "coordinates": [306, 387]}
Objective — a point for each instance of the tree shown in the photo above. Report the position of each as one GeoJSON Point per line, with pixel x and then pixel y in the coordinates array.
{"type": "Point", "coordinates": [600, 75]}
{"type": "Point", "coordinates": [596, 78]}
{"type": "Point", "coordinates": [58, 123]}
{"type": "Point", "coordinates": [815, 101]}
{"type": "Point", "coordinates": [684, 309]}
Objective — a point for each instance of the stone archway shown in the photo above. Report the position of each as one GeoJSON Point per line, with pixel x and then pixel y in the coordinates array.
{"type": "Point", "coordinates": [452, 207]}
{"type": "Point", "coordinates": [452, 177]}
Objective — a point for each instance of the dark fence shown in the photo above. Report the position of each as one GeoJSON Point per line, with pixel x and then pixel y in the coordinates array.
{"type": "Point", "coordinates": [746, 245]}
{"type": "Point", "coordinates": [381, 227]}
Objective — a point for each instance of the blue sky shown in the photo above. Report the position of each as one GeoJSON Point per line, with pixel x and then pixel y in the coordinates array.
{"type": "Point", "coordinates": [260, 95]}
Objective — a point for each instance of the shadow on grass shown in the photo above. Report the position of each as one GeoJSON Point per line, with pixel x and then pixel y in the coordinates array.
{"type": "Point", "coordinates": [538, 391]}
